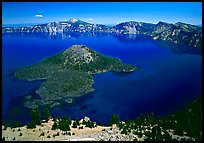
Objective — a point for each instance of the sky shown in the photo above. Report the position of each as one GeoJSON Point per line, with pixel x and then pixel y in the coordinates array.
{"type": "Point", "coordinates": [108, 13]}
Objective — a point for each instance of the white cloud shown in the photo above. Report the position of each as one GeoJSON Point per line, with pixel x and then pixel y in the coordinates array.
{"type": "Point", "coordinates": [89, 19]}
{"type": "Point", "coordinates": [39, 15]}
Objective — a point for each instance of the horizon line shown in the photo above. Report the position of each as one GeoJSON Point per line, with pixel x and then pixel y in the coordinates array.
{"type": "Point", "coordinates": [99, 23]}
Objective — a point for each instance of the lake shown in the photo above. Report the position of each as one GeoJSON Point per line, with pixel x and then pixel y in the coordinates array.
{"type": "Point", "coordinates": [169, 76]}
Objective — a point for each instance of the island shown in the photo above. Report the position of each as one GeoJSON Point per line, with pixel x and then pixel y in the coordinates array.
{"type": "Point", "coordinates": [68, 74]}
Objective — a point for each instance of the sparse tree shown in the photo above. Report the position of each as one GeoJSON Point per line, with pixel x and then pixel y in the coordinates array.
{"type": "Point", "coordinates": [77, 121]}
{"type": "Point", "coordinates": [74, 124]}
{"type": "Point", "coordinates": [31, 125]}
{"type": "Point", "coordinates": [55, 125]}
{"type": "Point", "coordinates": [35, 115]}
{"type": "Point", "coordinates": [69, 120]}
{"type": "Point", "coordinates": [46, 114]}
{"type": "Point", "coordinates": [114, 119]}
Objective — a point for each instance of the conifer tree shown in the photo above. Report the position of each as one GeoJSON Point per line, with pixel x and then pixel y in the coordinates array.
{"type": "Point", "coordinates": [46, 114]}
{"type": "Point", "coordinates": [35, 115]}
{"type": "Point", "coordinates": [69, 120]}
{"type": "Point", "coordinates": [114, 119]}
{"type": "Point", "coordinates": [77, 121]}
{"type": "Point", "coordinates": [55, 125]}
{"type": "Point", "coordinates": [74, 124]}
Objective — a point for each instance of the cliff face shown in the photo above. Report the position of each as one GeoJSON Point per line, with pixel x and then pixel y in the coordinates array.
{"type": "Point", "coordinates": [72, 25]}
{"type": "Point", "coordinates": [177, 33]}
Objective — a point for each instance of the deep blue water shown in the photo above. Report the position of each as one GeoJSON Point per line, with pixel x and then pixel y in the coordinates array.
{"type": "Point", "coordinates": [169, 76]}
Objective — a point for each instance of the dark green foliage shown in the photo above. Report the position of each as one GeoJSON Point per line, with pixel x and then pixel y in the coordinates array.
{"type": "Point", "coordinates": [124, 131]}
{"type": "Point", "coordinates": [119, 125]}
{"type": "Point", "coordinates": [74, 124]}
{"type": "Point", "coordinates": [35, 116]}
{"type": "Point", "coordinates": [77, 121]}
{"type": "Point", "coordinates": [83, 122]}
{"type": "Point", "coordinates": [6, 124]}
{"type": "Point", "coordinates": [31, 125]}
{"type": "Point", "coordinates": [56, 59]}
{"type": "Point", "coordinates": [16, 124]}
{"type": "Point", "coordinates": [54, 126]}
{"type": "Point", "coordinates": [178, 130]}
{"type": "Point", "coordinates": [35, 119]}
{"type": "Point", "coordinates": [167, 136]}
{"type": "Point", "coordinates": [189, 120]}
{"type": "Point", "coordinates": [65, 126]}
{"type": "Point", "coordinates": [64, 76]}
{"type": "Point", "coordinates": [46, 114]}
{"type": "Point", "coordinates": [62, 124]}
{"type": "Point", "coordinates": [89, 124]}
{"type": "Point", "coordinates": [69, 120]}
{"type": "Point", "coordinates": [114, 119]}
{"type": "Point", "coordinates": [64, 118]}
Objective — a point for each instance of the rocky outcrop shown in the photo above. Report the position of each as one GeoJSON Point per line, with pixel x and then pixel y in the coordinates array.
{"type": "Point", "coordinates": [180, 33]}
{"type": "Point", "coordinates": [72, 25]}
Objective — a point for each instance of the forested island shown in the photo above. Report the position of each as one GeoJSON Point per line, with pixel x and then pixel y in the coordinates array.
{"type": "Point", "coordinates": [68, 74]}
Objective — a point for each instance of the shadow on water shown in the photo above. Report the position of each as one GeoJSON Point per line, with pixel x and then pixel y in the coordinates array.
{"type": "Point", "coordinates": [59, 35]}
{"type": "Point", "coordinates": [16, 113]}
{"type": "Point", "coordinates": [124, 38]}
{"type": "Point", "coordinates": [131, 38]}
{"type": "Point", "coordinates": [178, 49]}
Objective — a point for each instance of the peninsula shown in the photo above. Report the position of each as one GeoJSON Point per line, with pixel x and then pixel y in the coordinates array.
{"type": "Point", "coordinates": [68, 74]}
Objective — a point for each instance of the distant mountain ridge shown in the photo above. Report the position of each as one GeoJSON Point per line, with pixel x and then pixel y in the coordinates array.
{"type": "Point", "coordinates": [179, 32]}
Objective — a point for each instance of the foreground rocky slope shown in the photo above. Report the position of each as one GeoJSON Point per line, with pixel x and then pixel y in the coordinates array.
{"type": "Point", "coordinates": [177, 33]}
{"type": "Point", "coordinates": [44, 132]}
{"type": "Point", "coordinates": [68, 74]}
{"type": "Point", "coordinates": [184, 125]}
